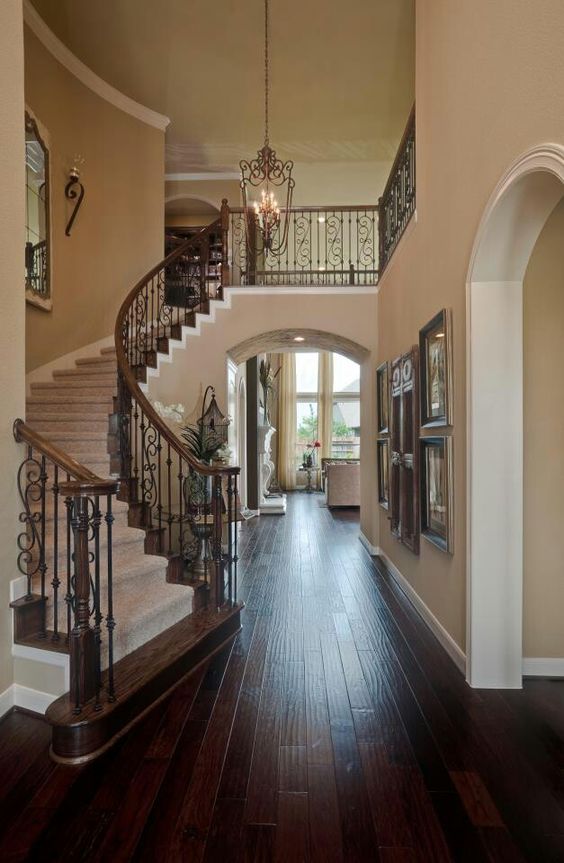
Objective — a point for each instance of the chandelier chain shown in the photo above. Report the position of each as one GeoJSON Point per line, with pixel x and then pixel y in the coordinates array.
{"type": "Point", "coordinates": [266, 74]}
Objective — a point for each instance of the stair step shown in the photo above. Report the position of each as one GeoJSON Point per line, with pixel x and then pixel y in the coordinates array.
{"type": "Point", "coordinates": [84, 384]}
{"type": "Point", "coordinates": [141, 678]}
{"type": "Point", "coordinates": [95, 362]}
{"type": "Point", "coordinates": [67, 413]}
{"type": "Point", "coordinates": [109, 350]}
{"type": "Point", "coordinates": [71, 404]}
{"type": "Point", "coordinates": [80, 373]}
{"type": "Point", "coordinates": [70, 423]}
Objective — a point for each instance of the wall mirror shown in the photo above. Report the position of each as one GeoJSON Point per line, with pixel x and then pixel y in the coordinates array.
{"type": "Point", "coordinates": [37, 227]}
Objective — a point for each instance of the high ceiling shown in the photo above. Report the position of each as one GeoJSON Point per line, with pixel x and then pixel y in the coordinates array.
{"type": "Point", "coordinates": [342, 74]}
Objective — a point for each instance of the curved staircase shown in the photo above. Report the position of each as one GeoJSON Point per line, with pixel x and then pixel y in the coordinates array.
{"type": "Point", "coordinates": [129, 542]}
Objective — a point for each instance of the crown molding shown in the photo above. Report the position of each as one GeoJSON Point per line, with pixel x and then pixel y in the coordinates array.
{"type": "Point", "coordinates": [85, 75]}
{"type": "Point", "coordinates": [203, 175]}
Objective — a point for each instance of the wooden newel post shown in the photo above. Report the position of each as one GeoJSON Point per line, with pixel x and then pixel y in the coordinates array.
{"type": "Point", "coordinates": [83, 644]}
{"type": "Point", "coordinates": [218, 588]}
{"type": "Point", "coordinates": [225, 275]}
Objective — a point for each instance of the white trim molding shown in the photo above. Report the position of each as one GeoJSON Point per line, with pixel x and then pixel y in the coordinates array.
{"type": "Point", "coordinates": [510, 224]}
{"type": "Point", "coordinates": [543, 667]}
{"type": "Point", "coordinates": [372, 550]}
{"type": "Point", "coordinates": [22, 696]}
{"type": "Point", "coordinates": [85, 75]}
{"type": "Point", "coordinates": [444, 638]}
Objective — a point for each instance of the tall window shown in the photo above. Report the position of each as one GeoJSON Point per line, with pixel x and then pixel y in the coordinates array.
{"type": "Point", "coordinates": [346, 408]}
{"type": "Point", "coordinates": [345, 441]}
{"type": "Point", "coordinates": [307, 372]}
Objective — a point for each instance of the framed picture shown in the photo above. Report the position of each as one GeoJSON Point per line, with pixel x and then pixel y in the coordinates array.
{"type": "Point", "coordinates": [435, 351]}
{"type": "Point", "coordinates": [383, 451]}
{"type": "Point", "coordinates": [436, 491]}
{"type": "Point", "coordinates": [383, 398]}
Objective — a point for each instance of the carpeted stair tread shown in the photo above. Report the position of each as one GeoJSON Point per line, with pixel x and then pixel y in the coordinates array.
{"type": "Point", "coordinates": [86, 385]}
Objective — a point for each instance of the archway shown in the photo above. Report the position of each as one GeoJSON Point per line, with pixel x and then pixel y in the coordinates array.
{"type": "Point", "coordinates": [310, 340]}
{"type": "Point", "coordinates": [510, 226]}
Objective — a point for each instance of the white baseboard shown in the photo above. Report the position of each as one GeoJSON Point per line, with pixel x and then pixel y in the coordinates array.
{"type": "Point", "coordinates": [6, 700]}
{"type": "Point", "coordinates": [22, 696]}
{"type": "Point", "coordinates": [443, 637]}
{"type": "Point", "coordinates": [543, 666]}
{"type": "Point", "coordinates": [372, 550]}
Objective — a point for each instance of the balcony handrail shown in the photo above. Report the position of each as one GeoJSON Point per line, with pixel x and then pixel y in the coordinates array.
{"type": "Point", "coordinates": [319, 208]}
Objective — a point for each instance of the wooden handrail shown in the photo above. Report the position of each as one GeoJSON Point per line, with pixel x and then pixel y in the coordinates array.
{"type": "Point", "coordinates": [400, 152]}
{"type": "Point", "coordinates": [85, 482]}
{"type": "Point", "coordinates": [128, 376]}
{"type": "Point", "coordinates": [322, 208]}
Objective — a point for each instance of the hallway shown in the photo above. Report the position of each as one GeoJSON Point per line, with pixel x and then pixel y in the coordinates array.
{"type": "Point", "coordinates": [336, 729]}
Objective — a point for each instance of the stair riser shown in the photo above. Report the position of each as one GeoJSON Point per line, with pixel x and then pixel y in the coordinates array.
{"type": "Point", "coordinates": [86, 372]}
{"type": "Point", "coordinates": [70, 424]}
{"type": "Point", "coordinates": [86, 387]}
{"type": "Point", "coordinates": [96, 404]}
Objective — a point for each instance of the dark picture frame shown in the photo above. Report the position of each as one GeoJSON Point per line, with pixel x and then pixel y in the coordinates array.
{"type": "Point", "coordinates": [435, 351]}
{"type": "Point", "coordinates": [383, 398]}
{"type": "Point", "coordinates": [383, 460]}
{"type": "Point", "coordinates": [436, 478]}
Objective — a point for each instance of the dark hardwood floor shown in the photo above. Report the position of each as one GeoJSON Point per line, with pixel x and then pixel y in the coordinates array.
{"type": "Point", "coordinates": [336, 729]}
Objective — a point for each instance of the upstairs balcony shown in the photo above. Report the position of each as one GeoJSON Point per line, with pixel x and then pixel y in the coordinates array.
{"type": "Point", "coordinates": [338, 245]}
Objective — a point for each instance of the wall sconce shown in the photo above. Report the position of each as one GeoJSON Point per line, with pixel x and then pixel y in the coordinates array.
{"type": "Point", "coordinates": [74, 190]}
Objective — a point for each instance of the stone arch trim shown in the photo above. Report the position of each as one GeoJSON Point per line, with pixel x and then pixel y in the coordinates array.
{"type": "Point", "coordinates": [284, 340]}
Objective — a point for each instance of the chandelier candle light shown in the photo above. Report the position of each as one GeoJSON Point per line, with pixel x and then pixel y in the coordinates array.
{"type": "Point", "coordinates": [266, 171]}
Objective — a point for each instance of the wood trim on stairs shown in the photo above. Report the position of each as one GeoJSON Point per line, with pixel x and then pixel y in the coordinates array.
{"type": "Point", "coordinates": [142, 679]}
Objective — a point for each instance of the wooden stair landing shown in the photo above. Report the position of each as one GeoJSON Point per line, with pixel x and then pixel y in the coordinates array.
{"type": "Point", "coordinates": [142, 678]}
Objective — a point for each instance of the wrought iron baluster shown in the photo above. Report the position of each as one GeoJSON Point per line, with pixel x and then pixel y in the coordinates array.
{"type": "Point", "coordinates": [96, 521]}
{"type": "Point", "coordinates": [110, 621]}
{"type": "Point", "coordinates": [68, 595]}
{"type": "Point", "coordinates": [169, 497]}
{"type": "Point", "coordinates": [55, 583]}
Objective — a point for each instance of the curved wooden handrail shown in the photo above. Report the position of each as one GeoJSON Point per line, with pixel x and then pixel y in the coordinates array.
{"type": "Point", "coordinates": [126, 371]}
{"type": "Point", "coordinates": [84, 480]}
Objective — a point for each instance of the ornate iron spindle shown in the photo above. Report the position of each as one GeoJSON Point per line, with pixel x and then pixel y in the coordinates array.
{"type": "Point", "coordinates": [96, 521]}
{"type": "Point", "coordinates": [217, 552]}
{"type": "Point", "coordinates": [110, 621]}
{"type": "Point", "coordinates": [55, 583]}
{"type": "Point", "coordinates": [68, 594]}
{"type": "Point", "coordinates": [235, 540]}
{"type": "Point", "coordinates": [170, 517]}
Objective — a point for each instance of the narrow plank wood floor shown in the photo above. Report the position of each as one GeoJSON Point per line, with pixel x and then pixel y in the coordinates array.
{"type": "Point", "coordinates": [336, 729]}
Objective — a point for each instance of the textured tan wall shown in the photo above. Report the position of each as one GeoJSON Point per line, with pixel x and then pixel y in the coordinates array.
{"type": "Point", "coordinates": [118, 233]}
{"type": "Point", "coordinates": [12, 358]}
{"type": "Point", "coordinates": [189, 221]}
{"type": "Point", "coordinates": [205, 359]}
{"type": "Point", "coordinates": [489, 85]}
{"type": "Point", "coordinates": [543, 412]}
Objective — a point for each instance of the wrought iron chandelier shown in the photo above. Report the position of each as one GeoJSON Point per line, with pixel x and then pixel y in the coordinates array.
{"type": "Point", "coordinates": [266, 222]}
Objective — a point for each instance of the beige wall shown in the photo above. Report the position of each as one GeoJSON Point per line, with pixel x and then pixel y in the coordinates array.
{"type": "Point", "coordinates": [543, 414]}
{"type": "Point", "coordinates": [12, 351]}
{"type": "Point", "coordinates": [190, 220]}
{"type": "Point", "coordinates": [118, 234]}
{"type": "Point", "coordinates": [489, 85]}
{"type": "Point", "coordinates": [340, 182]}
{"type": "Point", "coordinates": [212, 191]}
{"type": "Point", "coordinates": [204, 361]}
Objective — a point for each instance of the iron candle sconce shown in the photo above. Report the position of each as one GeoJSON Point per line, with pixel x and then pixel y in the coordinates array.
{"type": "Point", "coordinates": [74, 190]}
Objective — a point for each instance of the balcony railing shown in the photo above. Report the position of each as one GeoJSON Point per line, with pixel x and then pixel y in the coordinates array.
{"type": "Point", "coordinates": [397, 204]}
{"type": "Point", "coordinates": [331, 245]}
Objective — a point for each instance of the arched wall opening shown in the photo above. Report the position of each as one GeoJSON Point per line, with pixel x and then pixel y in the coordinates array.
{"type": "Point", "coordinates": [514, 217]}
{"type": "Point", "coordinates": [285, 340]}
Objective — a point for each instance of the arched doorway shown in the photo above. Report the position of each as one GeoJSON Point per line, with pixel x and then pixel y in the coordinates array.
{"type": "Point", "coordinates": [510, 227]}
{"type": "Point", "coordinates": [309, 340]}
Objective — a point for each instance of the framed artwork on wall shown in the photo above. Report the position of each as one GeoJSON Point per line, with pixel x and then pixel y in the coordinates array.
{"type": "Point", "coordinates": [383, 398]}
{"type": "Point", "coordinates": [435, 351]}
{"type": "Point", "coordinates": [383, 453]}
{"type": "Point", "coordinates": [437, 491]}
